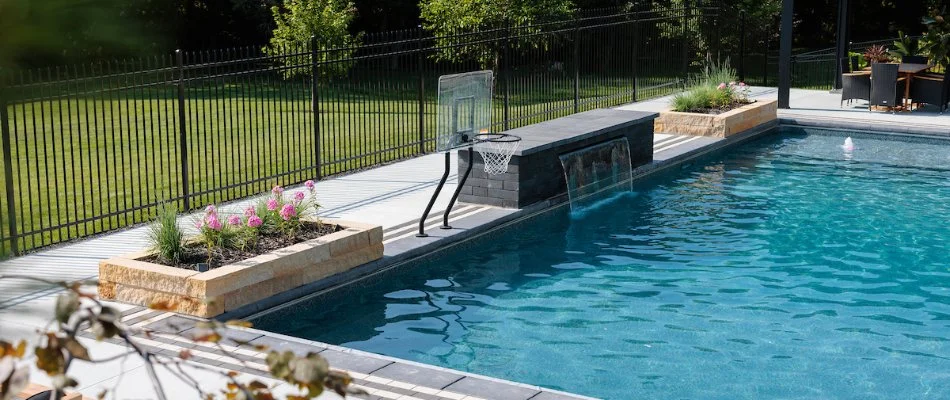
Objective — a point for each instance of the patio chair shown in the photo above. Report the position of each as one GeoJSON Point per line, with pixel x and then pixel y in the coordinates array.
{"type": "Point", "coordinates": [855, 86]}
{"type": "Point", "coordinates": [915, 60]}
{"type": "Point", "coordinates": [931, 90]}
{"type": "Point", "coordinates": [887, 89]}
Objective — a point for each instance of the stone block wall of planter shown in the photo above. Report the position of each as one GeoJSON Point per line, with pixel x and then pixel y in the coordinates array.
{"type": "Point", "coordinates": [128, 279]}
{"type": "Point", "coordinates": [717, 125]}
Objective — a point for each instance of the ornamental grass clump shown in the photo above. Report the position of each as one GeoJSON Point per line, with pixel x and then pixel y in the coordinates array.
{"type": "Point", "coordinates": [709, 91]}
{"type": "Point", "coordinates": [165, 237]}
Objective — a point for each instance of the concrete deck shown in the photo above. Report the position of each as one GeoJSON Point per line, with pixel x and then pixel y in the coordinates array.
{"type": "Point", "coordinates": [824, 107]}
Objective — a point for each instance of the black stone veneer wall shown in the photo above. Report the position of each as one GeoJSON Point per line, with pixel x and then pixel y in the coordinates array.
{"type": "Point", "coordinates": [535, 173]}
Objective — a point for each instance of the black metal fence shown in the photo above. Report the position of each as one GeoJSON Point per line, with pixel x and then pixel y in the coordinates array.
{"type": "Point", "coordinates": [94, 147]}
{"type": "Point", "coordinates": [816, 69]}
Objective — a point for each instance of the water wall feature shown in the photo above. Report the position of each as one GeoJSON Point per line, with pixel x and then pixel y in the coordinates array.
{"type": "Point", "coordinates": [617, 140]}
{"type": "Point", "coordinates": [598, 172]}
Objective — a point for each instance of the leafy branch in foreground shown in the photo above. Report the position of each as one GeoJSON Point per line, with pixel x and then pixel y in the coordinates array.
{"type": "Point", "coordinates": [58, 347]}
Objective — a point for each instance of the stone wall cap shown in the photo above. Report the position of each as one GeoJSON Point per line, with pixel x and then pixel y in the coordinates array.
{"type": "Point", "coordinates": [576, 127]}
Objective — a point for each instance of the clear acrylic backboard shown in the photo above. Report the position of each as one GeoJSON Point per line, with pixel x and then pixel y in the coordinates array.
{"type": "Point", "coordinates": [464, 108]}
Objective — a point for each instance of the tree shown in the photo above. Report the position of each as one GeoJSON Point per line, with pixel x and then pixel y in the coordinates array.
{"type": "Point", "coordinates": [936, 42]}
{"type": "Point", "coordinates": [445, 18]}
{"type": "Point", "coordinates": [327, 21]}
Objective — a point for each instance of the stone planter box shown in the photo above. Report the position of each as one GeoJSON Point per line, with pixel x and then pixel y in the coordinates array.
{"type": "Point", "coordinates": [722, 125]}
{"type": "Point", "coordinates": [207, 294]}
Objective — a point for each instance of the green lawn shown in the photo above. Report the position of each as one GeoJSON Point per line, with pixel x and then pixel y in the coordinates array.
{"type": "Point", "coordinates": [103, 160]}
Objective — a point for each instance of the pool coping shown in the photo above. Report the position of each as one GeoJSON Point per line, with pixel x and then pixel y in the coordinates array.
{"type": "Point", "coordinates": [884, 128]}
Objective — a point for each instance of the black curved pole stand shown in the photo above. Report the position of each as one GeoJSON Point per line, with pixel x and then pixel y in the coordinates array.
{"type": "Point", "coordinates": [425, 215]}
{"type": "Point", "coordinates": [458, 190]}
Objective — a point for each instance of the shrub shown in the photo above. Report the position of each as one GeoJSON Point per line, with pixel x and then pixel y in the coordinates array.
{"type": "Point", "coordinates": [936, 41]}
{"type": "Point", "coordinates": [165, 236]}
{"type": "Point", "coordinates": [905, 46]}
{"type": "Point", "coordinates": [296, 21]}
{"type": "Point", "coordinates": [709, 90]}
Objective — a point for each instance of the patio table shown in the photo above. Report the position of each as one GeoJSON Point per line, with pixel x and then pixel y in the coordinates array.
{"type": "Point", "coordinates": [909, 70]}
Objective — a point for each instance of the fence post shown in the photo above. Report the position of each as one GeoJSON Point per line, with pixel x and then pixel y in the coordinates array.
{"type": "Point", "coordinates": [315, 105]}
{"type": "Point", "coordinates": [8, 167]}
{"type": "Point", "coordinates": [765, 64]}
{"type": "Point", "coordinates": [636, 52]}
{"type": "Point", "coordinates": [685, 41]}
{"type": "Point", "coordinates": [577, 67]}
{"type": "Point", "coordinates": [506, 52]}
{"type": "Point", "coordinates": [742, 45]}
{"type": "Point", "coordinates": [421, 89]}
{"type": "Point", "coordinates": [182, 131]}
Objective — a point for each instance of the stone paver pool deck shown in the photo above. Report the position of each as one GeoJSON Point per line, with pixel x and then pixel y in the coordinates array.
{"type": "Point", "coordinates": [393, 196]}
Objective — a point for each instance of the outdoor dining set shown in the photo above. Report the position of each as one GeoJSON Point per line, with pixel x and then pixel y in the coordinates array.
{"type": "Point", "coordinates": [905, 86]}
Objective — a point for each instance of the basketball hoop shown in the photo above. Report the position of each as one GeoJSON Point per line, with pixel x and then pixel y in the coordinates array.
{"type": "Point", "coordinates": [496, 150]}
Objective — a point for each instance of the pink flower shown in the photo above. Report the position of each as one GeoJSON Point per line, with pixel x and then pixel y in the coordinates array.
{"type": "Point", "coordinates": [250, 211]}
{"type": "Point", "coordinates": [299, 196]}
{"type": "Point", "coordinates": [310, 185]}
{"type": "Point", "coordinates": [254, 221]}
{"type": "Point", "coordinates": [277, 190]}
{"type": "Point", "coordinates": [211, 209]}
{"type": "Point", "coordinates": [234, 220]}
{"type": "Point", "coordinates": [214, 223]}
{"type": "Point", "coordinates": [288, 212]}
{"type": "Point", "coordinates": [722, 86]}
{"type": "Point", "coordinates": [272, 204]}
{"type": "Point", "coordinates": [742, 84]}
{"type": "Point", "coordinates": [200, 223]}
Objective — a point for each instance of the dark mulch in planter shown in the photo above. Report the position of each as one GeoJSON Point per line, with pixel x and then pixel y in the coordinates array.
{"type": "Point", "coordinates": [717, 111]}
{"type": "Point", "coordinates": [197, 254]}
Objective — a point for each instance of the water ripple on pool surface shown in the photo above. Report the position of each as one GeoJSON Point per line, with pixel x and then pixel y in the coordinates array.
{"type": "Point", "coordinates": [784, 270]}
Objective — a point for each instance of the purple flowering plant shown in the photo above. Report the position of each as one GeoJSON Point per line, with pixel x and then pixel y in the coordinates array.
{"type": "Point", "coordinates": [279, 213]}
{"type": "Point", "coordinates": [283, 212]}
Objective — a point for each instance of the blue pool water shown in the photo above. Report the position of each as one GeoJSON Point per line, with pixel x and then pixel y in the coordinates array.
{"type": "Point", "coordinates": [783, 268]}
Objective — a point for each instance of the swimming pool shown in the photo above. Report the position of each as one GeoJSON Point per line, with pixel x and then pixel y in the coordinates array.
{"type": "Point", "coordinates": [782, 268]}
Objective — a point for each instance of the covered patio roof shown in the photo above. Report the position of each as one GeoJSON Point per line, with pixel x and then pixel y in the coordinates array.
{"type": "Point", "coordinates": [785, 48]}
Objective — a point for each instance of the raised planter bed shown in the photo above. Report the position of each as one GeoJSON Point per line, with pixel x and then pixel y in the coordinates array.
{"type": "Point", "coordinates": [717, 125]}
{"type": "Point", "coordinates": [207, 294]}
